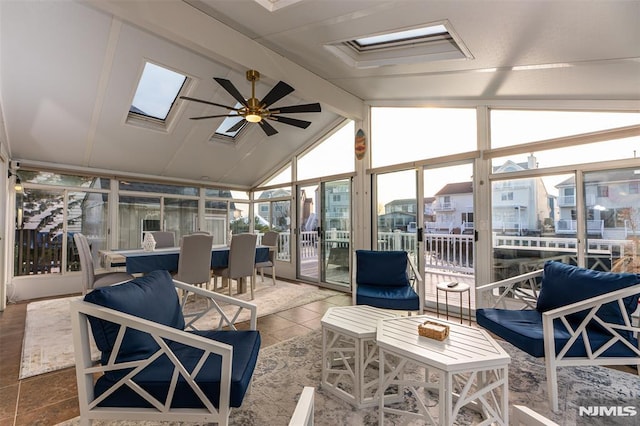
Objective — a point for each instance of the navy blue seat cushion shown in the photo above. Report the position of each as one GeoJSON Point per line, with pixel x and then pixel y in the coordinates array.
{"type": "Point", "coordinates": [388, 297]}
{"type": "Point", "coordinates": [156, 378]}
{"type": "Point", "coordinates": [563, 284]}
{"type": "Point", "coordinates": [523, 329]}
{"type": "Point", "coordinates": [383, 268]}
{"type": "Point", "coordinates": [152, 297]}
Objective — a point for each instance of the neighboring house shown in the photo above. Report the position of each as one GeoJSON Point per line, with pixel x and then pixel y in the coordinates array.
{"type": "Point", "coordinates": [276, 214]}
{"type": "Point", "coordinates": [398, 214]}
{"type": "Point", "coordinates": [520, 206]}
{"type": "Point", "coordinates": [453, 208]}
{"type": "Point", "coordinates": [613, 205]}
{"type": "Point", "coordinates": [337, 205]}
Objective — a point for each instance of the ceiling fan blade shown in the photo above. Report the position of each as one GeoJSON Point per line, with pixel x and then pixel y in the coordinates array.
{"type": "Point", "coordinates": [208, 103]}
{"type": "Point", "coordinates": [212, 116]}
{"type": "Point", "coordinates": [236, 126]}
{"type": "Point", "coordinates": [229, 87]}
{"type": "Point", "coordinates": [267, 128]}
{"type": "Point", "coordinates": [291, 121]}
{"type": "Point", "coordinates": [276, 93]}
{"type": "Point", "coordinates": [297, 108]}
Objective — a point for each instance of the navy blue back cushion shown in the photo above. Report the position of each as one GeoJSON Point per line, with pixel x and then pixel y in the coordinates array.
{"type": "Point", "coordinates": [384, 268]}
{"type": "Point", "coordinates": [564, 284]}
{"type": "Point", "coordinates": [152, 297]}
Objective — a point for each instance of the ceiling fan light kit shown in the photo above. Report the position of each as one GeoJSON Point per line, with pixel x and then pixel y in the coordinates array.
{"type": "Point", "coordinates": [254, 110]}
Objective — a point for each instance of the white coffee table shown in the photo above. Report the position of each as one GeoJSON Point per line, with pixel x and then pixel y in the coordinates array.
{"type": "Point", "coordinates": [350, 354]}
{"type": "Point", "coordinates": [470, 368]}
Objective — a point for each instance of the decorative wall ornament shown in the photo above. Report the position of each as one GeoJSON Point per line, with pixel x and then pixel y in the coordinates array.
{"type": "Point", "coordinates": [360, 144]}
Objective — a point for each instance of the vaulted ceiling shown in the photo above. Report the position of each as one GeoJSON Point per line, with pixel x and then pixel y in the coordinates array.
{"type": "Point", "coordinates": [69, 70]}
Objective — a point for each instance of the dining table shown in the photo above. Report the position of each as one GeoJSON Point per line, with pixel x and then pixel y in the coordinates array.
{"type": "Point", "coordinates": [139, 261]}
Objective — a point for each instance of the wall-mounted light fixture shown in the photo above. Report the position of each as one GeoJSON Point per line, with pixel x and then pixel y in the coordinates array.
{"type": "Point", "coordinates": [17, 186]}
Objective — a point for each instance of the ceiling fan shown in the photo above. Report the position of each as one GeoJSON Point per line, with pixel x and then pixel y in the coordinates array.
{"type": "Point", "coordinates": [257, 111]}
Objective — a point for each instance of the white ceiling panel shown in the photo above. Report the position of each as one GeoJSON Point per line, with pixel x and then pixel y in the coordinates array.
{"type": "Point", "coordinates": [68, 71]}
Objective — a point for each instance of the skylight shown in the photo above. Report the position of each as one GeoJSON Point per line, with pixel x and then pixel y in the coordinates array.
{"type": "Point", "coordinates": [433, 42]}
{"type": "Point", "coordinates": [228, 123]}
{"type": "Point", "coordinates": [157, 91]}
{"type": "Point", "coordinates": [402, 36]}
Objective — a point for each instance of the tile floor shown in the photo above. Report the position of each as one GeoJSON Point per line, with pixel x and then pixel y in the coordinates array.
{"type": "Point", "coordinates": [51, 398]}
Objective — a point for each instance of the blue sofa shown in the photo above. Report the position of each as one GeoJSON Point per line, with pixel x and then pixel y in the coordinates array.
{"type": "Point", "coordinates": [151, 367]}
{"type": "Point", "coordinates": [571, 303]}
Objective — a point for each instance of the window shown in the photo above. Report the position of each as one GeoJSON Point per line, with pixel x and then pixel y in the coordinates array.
{"type": "Point", "coordinates": [156, 94]}
{"type": "Point", "coordinates": [47, 216]}
{"type": "Point", "coordinates": [401, 37]}
{"type": "Point", "coordinates": [332, 156]}
{"type": "Point", "coordinates": [508, 196]}
{"type": "Point", "coordinates": [507, 125]}
{"type": "Point", "coordinates": [603, 191]}
{"type": "Point", "coordinates": [424, 133]}
{"type": "Point", "coordinates": [230, 127]}
{"type": "Point", "coordinates": [434, 42]}
{"type": "Point", "coordinates": [634, 187]}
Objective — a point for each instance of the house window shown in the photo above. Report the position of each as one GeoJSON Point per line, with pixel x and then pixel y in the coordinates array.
{"type": "Point", "coordinates": [507, 196]}
{"type": "Point", "coordinates": [634, 187]}
{"type": "Point", "coordinates": [603, 191]}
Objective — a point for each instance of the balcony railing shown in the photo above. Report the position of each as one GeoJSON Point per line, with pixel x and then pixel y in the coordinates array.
{"type": "Point", "coordinates": [567, 226]}
{"type": "Point", "coordinates": [451, 205]}
{"type": "Point", "coordinates": [438, 227]}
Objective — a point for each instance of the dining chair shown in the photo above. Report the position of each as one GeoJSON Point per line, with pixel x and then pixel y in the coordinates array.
{"type": "Point", "coordinates": [90, 279]}
{"type": "Point", "coordinates": [164, 239]}
{"type": "Point", "coordinates": [270, 239]}
{"type": "Point", "coordinates": [194, 263]}
{"type": "Point", "coordinates": [242, 259]}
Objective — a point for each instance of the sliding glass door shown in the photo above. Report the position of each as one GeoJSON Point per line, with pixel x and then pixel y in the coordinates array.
{"type": "Point", "coordinates": [324, 233]}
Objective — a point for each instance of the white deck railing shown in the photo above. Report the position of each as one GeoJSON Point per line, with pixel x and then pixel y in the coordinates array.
{"type": "Point", "coordinates": [451, 252]}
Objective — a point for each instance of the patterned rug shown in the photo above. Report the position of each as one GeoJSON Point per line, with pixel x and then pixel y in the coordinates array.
{"type": "Point", "coordinates": [284, 369]}
{"type": "Point", "coordinates": [48, 343]}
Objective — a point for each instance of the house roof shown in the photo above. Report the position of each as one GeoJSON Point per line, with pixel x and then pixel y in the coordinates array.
{"type": "Point", "coordinates": [456, 188]}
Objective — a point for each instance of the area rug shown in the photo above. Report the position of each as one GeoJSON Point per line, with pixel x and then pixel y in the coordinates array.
{"type": "Point", "coordinates": [285, 368]}
{"type": "Point", "coordinates": [48, 343]}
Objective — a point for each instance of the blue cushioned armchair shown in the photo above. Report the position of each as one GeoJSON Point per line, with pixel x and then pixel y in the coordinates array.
{"type": "Point", "coordinates": [568, 315]}
{"type": "Point", "coordinates": [155, 364]}
{"type": "Point", "coordinates": [387, 279]}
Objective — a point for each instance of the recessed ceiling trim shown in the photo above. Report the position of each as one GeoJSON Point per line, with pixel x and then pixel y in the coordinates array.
{"type": "Point", "coordinates": [375, 50]}
{"type": "Point", "coordinates": [273, 5]}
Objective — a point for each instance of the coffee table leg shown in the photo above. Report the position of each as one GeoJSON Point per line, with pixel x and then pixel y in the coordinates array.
{"type": "Point", "coordinates": [381, 386]}
{"type": "Point", "coordinates": [469, 299]}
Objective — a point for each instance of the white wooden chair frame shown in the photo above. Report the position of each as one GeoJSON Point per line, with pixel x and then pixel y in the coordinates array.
{"type": "Point", "coordinates": [161, 411]}
{"type": "Point", "coordinates": [522, 415]}
{"type": "Point", "coordinates": [415, 280]}
{"type": "Point", "coordinates": [590, 306]}
{"type": "Point", "coordinates": [303, 414]}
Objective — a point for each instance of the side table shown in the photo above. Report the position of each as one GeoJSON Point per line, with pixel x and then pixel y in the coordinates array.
{"type": "Point", "coordinates": [350, 354]}
{"type": "Point", "coordinates": [459, 288]}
